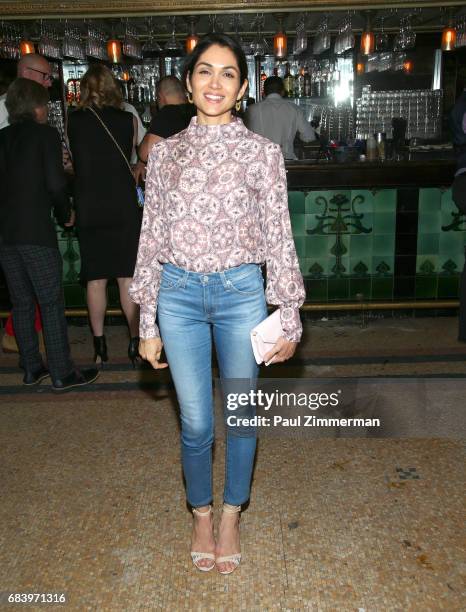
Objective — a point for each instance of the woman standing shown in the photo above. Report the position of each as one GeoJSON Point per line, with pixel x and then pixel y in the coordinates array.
{"type": "Point", "coordinates": [216, 208]}
{"type": "Point", "coordinates": [107, 215]}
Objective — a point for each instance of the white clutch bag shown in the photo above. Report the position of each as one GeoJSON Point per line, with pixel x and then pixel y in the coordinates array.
{"type": "Point", "coordinates": [265, 335]}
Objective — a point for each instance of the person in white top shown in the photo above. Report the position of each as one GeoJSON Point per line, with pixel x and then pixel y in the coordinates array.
{"type": "Point", "coordinates": [31, 66]}
{"type": "Point", "coordinates": [277, 119]}
{"type": "Point", "coordinates": [129, 108]}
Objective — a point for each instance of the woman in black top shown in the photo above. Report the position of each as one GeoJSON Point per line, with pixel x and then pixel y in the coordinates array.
{"type": "Point", "coordinates": [33, 184]}
{"type": "Point", "coordinates": [107, 214]}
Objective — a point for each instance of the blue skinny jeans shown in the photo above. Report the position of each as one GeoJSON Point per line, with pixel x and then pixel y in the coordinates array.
{"type": "Point", "coordinates": [193, 308]}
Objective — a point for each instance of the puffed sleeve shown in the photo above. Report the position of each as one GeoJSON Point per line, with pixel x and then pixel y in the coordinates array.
{"type": "Point", "coordinates": [144, 288]}
{"type": "Point", "coordinates": [285, 286]}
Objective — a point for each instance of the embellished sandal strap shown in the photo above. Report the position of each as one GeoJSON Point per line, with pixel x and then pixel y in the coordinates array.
{"type": "Point", "coordinates": [228, 509]}
{"type": "Point", "coordinates": [200, 513]}
{"type": "Point", "coordinates": [235, 558]}
{"type": "Point", "coordinates": [197, 556]}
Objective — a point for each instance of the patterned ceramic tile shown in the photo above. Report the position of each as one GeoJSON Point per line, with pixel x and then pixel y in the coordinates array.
{"type": "Point", "coordinates": [385, 200]}
{"type": "Point", "coordinates": [318, 246]}
{"type": "Point", "coordinates": [383, 245]}
{"type": "Point", "coordinates": [430, 200]}
{"type": "Point", "coordinates": [427, 264]}
{"type": "Point", "coordinates": [298, 224]}
{"type": "Point", "coordinates": [429, 222]}
{"type": "Point", "coordinates": [296, 202]}
{"type": "Point", "coordinates": [428, 244]}
{"type": "Point", "coordinates": [384, 222]}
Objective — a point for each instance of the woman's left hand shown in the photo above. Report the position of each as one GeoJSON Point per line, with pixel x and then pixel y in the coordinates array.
{"type": "Point", "coordinates": [283, 350]}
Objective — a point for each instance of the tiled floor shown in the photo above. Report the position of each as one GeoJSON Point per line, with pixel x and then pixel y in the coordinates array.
{"type": "Point", "coordinates": [93, 499]}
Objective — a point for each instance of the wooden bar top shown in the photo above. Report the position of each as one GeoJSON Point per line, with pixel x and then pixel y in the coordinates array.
{"type": "Point", "coordinates": [303, 175]}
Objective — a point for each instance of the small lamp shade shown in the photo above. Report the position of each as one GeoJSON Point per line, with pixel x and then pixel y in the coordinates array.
{"type": "Point", "coordinates": [26, 47]}
{"type": "Point", "coordinates": [360, 68]}
{"type": "Point", "coordinates": [448, 38]}
{"type": "Point", "coordinates": [408, 66]}
{"type": "Point", "coordinates": [114, 50]}
{"type": "Point", "coordinates": [191, 42]}
{"type": "Point", "coordinates": [280, 43]}
{"type": "Point", "coordinates": [367, 43]}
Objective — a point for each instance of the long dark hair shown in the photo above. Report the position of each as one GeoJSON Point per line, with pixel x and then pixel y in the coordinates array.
{"type": "Point", "coordinates": [223, 40]}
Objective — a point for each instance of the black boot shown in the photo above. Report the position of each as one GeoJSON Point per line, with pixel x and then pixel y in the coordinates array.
{"type": "Point", "coordinates": [133, 350]}
{"type": "Point", "coordinates": [100, 350]}
{"type": "Point", "coordinates": [36, 377]}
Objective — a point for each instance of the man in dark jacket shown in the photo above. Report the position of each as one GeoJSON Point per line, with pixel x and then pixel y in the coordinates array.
{"type": "Point", "coordinates": [33, 184]}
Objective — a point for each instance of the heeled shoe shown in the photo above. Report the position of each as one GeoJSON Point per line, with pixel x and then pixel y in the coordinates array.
{"type": "Point", "coordinates": [235, 558]}
{"type": "Point", "coordinates": [199, 556]}
{"type": "Point", "coordinates": [100, 350]}
{"type": "Point", "coordinates": [133, 350]}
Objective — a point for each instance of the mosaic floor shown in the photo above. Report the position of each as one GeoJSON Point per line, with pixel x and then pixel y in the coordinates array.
{"type": "Point", "coordinates": [93, 500]}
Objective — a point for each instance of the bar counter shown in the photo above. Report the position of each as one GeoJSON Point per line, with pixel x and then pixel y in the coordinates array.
{"type": "Point", "coordinates": [372, 232]}
{"type": "Point", "coordinates": [367, 175]}
{"type": "Point", "coordinates": [365, 232]}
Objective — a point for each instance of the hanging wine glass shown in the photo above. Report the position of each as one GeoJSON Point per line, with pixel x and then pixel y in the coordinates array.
{"type": "Point", "coordinates": [300, 42]}
{"type": "Point", "coordinates": [151, 47]}
{"type": "Point", "coordinates": [259, 45]}
{"type": "Point", "coordinates": [173, 45]}
{"type": "Point", "coordinates": [322, 40]}
{"type": "Point", "coordinates": [381, 38]}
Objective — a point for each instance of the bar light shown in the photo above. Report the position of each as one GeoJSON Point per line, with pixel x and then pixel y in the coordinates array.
{"type": "Point", "coordinates": [114, 50]}
{"type": "Point", "coordinates": [408, 66]}
{"type": "Point", "coordinates": [448, 38]}
{"type": "Point", "coordinates": [367, 37]}
{"type": "Point", "coordinates": [280, 40]}
{"type": "Point", "coordinates": [191, 42]}
{"type": "Point", "coordinates": [26, 47]}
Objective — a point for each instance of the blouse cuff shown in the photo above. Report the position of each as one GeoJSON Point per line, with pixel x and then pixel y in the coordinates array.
{"type": "Point", "coordinates": [147, 325]}
{"type": "Point", "coordinates": [291, 323]}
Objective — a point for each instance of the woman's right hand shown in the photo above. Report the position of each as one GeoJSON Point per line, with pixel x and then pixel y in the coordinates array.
{"type": "Point", "coordinates": [150, 350]}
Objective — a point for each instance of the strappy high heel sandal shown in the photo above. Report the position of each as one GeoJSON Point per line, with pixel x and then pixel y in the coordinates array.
{"type": "Point", "coordinates": [199, 556]}
{"type": "Point", "coordinates": [235, 558]}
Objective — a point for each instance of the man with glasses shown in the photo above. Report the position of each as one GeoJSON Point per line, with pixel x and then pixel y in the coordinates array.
{"type": "Point", "coordinates": [31, 66]}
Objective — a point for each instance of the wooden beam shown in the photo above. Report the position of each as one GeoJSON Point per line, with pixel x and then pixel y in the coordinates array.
{"type": "Point", "coordinates": [48, 9]}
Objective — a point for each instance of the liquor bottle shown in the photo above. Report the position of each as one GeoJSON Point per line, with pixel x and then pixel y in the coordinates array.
{"type": "Point", "coordinates": [307, 83]}
{"type": "Point", "coordinates": [299, 84]}
{"type": "Point", "coordinates": [323, 83]}
{"type": "Point", "coordinates": [288, 82]}
{"type": "Point", "coordinates": [77, 86]}
{"type": "Point", "coordinates": [317, 84]}
{"type": "Point", "coordinates": [71, 90]}
{"type": "Point", "coordinates": [263, 77]}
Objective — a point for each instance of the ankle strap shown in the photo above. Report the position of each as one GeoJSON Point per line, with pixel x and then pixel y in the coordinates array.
{"type": "Point", "coordinates": [200, 513]}
{"type": "Point", "coordinates": [229, 509]}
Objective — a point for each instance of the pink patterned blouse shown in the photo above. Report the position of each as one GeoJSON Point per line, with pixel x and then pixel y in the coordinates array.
{"type": "Point", "coordinates": [216, 197]}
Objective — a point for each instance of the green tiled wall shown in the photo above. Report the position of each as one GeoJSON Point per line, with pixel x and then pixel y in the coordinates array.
{"type": "Point", "coordinates": [346, 242]}
{"type": "Point", "coordinates": [440, 247]}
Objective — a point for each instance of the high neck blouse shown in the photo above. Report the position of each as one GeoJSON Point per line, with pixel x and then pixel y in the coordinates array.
{"type": "Point", "coordinates": [216, 198]}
